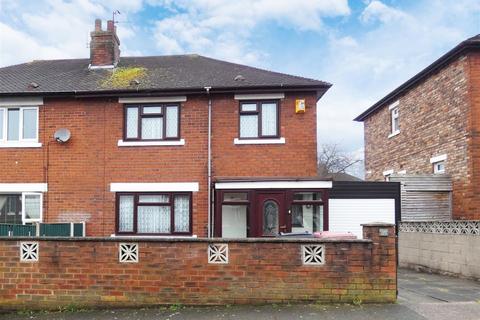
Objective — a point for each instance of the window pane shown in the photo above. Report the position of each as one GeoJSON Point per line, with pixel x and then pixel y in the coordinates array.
{"type": "Point", "coordinates": [10, 208]}
{"type": "Point", "coordinates": [307, 217]}
{"type": "Point", "coordinates": [153, 219]}
{"type": "Point", "coordinates": [125, 223]}
{"type": "Point", "coordinates": [172, 122]}
{"type": "Point", "coordinates": [32, 206]}
{"type": "Point", "coordinates": [249, 107]}
{"type": "Point", "coordinates": [159, 198]}
{"type": "Point", "coordinates": [182, 213]}
{"type": "Point", "coordinates": [234, 221]}
{"type": "Point", "coordinates": [132, 123]}
{"type": "Point", "coordinates": [306, 196]}
{"type": "Point", "coordinates": [1, 123]}
{"type": "Point", "coordinates": [152, 128]}
{"type": "Point", "coordinates": [235, 196]}
{"type": "Point", "coordinates": [152, 109]}
{"type": "Point", "coordinates": [30, 124]}
{"type": "Point", "coordinates": [13, 124]}
{"type": "Point", "coordinates": [270, 218]}
{"type": "Point", "coordinates": [269, 119]}
{"type": "Point", "coordinates": [249, 126]}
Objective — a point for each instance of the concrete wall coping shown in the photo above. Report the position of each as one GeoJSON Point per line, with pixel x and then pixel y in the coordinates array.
{"type": "Point", "coordinates": [378, 224]}
{"type": "Point", "coordinates": [201, 240]}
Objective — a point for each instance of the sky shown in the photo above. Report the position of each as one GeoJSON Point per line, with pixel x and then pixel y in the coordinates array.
{"type": "Point", "coordinates": [365, 48]}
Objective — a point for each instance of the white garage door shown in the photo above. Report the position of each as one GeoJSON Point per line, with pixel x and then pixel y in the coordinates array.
{"type": "Point", "coordinates": [347, 215]}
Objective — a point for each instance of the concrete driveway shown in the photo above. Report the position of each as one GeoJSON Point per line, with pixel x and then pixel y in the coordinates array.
{"type": "Point", "coordinates": [421, 296]}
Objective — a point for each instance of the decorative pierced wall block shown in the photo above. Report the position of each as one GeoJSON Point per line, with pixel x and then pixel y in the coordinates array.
{"type": "Point", "coordinates": [29, 251]}
{"type": "Point", "coordinates": [443, 227]}
{"type": "Point", "coordinates": [313, 254]}
{"type": "Point", "coordinates": [218, 253]}
{"type": "Point", "coordinates": [128, 252]}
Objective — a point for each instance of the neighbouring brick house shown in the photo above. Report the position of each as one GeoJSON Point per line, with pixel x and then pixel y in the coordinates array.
{"type": "Point", "coordinates": [153, 139]}
{"type": "Point", "coordinates": [431, 125]}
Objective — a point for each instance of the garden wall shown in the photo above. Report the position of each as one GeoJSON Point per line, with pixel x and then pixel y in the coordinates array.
{"type": "Point", "coordinates": [105, 272]}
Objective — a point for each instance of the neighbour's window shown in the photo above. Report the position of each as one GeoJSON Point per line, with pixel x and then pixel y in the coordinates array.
{"type": "Point", "coordinates": [154, 213]}
{"type": "Point", "coordinates": [439, 167]}
{"type": "Point", "coordinates": [395, 120]}
{"type": "Point", "coordinates": [234, 214]}
{"type": "Point", "coordinates": [19, 124]}
{"type": "Point", "coordinates": [307, 212]}
{"type": "Point", "coordinates": [259, 119]}
{"type": "Point", "coordinates": [13, 205]}
{"type": "Point", "coordinates": [152, 122]}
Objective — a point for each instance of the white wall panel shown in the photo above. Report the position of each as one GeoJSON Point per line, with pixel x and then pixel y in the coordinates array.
{"type": "Point", "coordinates": [347, 215]}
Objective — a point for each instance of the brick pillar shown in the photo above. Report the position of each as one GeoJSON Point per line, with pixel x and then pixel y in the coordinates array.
{"type": "Point", "coordinates": [384, 255]}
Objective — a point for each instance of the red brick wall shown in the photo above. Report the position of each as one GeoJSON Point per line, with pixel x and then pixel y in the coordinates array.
{"type": "Point", "coordinates": [434, 120]}
{"type": "Point", "coordinates": [87, 273]}
{"type": "Point", "coordinates": [79, 172]}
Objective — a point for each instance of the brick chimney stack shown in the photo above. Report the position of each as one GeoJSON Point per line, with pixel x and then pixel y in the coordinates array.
{"type": "Point", "coordinates": [104, 46]}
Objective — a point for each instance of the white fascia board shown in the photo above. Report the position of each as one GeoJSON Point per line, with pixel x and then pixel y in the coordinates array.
{"type": "Point", "coordinates": [154, 187]}
{"type": "Point", "coordinates": [23, 187]}
{"type": "Point", "coordinates": [388, 172]}
{"type": "Point", "coordinates": [439, 158]}
{"type": "Point", "coordinates": [274, 185]}
{"type": "Point", "coordinates": [21, 101]}
{"type": "Point", "coordinates": [394, 105]}
{"type": "Point", "coordinates": [153, 99]}
{"type": "Point", "coordinates": [260, 96]}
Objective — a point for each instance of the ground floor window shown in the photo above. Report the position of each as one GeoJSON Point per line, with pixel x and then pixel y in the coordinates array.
{"type": "Point", "coordinates": [154, 213]}
{"type": "Point", "coordinates": [268, 213]}
{"type": "Point", "coordinates": [20, 208]}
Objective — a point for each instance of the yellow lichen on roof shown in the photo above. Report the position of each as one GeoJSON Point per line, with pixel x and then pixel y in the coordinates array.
{"type": "Point", "coordinates": [123, 77]}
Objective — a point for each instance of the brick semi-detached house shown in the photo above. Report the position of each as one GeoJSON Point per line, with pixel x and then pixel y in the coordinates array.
{"type": "Point", "coordinates": [431, 125]}
{"type": "Point", "coordinates": [139, 145]}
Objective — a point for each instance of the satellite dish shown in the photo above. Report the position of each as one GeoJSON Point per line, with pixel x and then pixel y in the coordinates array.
{"type": "Point", "coordinates": [62, 135]}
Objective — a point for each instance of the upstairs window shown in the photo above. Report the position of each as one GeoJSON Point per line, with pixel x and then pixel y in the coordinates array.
{"type": "Point", "coordinates": [395, 120]}
{"type": "Point", "coordinates": [439, 167]}
{"type": "Point", "coordinates": [19, 124]}
{"type": "Point", "coordinates": [152, 122]}
{"type": "Point", "coordinates": [259, 119]}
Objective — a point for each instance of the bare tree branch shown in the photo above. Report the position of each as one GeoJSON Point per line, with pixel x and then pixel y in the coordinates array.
{"type": "Point", "coordinates": [332, 159]}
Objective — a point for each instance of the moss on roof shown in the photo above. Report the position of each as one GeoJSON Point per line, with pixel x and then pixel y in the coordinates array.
{"type": "Point", "coordinates": [123, 77]}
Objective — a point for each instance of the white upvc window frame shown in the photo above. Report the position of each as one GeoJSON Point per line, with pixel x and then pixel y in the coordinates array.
{"type": "Point", "coordinates": [436, 170]}
{"type": "Point", "coordinates": [435, 161]}
{"type": "Point", "coordinates": [394, 116]}
{"type": "Point", "coordinates": [25, 220]}
{"type": "Point", "coordinates": [21, 140]}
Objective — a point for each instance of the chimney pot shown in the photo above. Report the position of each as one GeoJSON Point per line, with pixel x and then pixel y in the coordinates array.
{"type": "Point", "coordinates": [110, 26]}
{"type": "Point", "coordinates": [98, 25]}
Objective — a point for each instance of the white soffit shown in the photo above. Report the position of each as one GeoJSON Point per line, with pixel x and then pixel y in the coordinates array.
{"type": "Point", "coordinates": [259, 96]}
{"type": "Point", "coordinates": [274, 185]}
{"type": "Point", "coordinates": [154, 187]}
{"type": "Point", "coordinates": [21, 101]}
{"type": "Point", "coordinates": [439, 158]}
{"type": "Point", "coordinates": [153, 99]}
{"type": "Point", "coordinates": [23, 187]}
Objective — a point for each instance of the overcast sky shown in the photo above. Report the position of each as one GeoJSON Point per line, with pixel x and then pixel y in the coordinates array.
{"type": "Point", "coordinates": [365, 48]}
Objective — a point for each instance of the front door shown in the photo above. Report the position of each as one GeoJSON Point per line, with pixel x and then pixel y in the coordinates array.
{"type": "Point", "coordinates": [271, 214]}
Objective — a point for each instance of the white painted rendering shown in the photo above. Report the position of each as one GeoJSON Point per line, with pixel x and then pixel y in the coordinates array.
{"type": "Point", "coordinates": [388, 172]}
{"type": "Point", "coordinates": [439, 158]}
{"type": "Point", "coordinates": [21, 101]}
{"type": "Point", "coordinates": [153, 99]}
{"type": "Point", "coordinates": [23, 187]}
{"type": "Point", "coordinates": [274, 185]}
{"type": "Point", "coordinates": [20, 144]}
{"type": "Point", "coordinates": [259, 141]}
{"type": "Point", "coordinates": [122, 143]}
{"type": "Point", "coordinates": [155, 187]}
{"type": "Point", "coordinates": [347, 215]}
{"type": "Point", "coordinates": [260, 96]}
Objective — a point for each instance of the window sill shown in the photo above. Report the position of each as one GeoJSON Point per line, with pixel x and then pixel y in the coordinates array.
{"type": "Point", "coordinates": [20, 144]}
{"type": "Point", "coordinates": [152, 236]}
{"type": "Point", "coordinates": [122, 143]}
{"type": "Point", "coordinates": [259, 141]}
{"type": "Point", "coordinates": [393, 134]}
